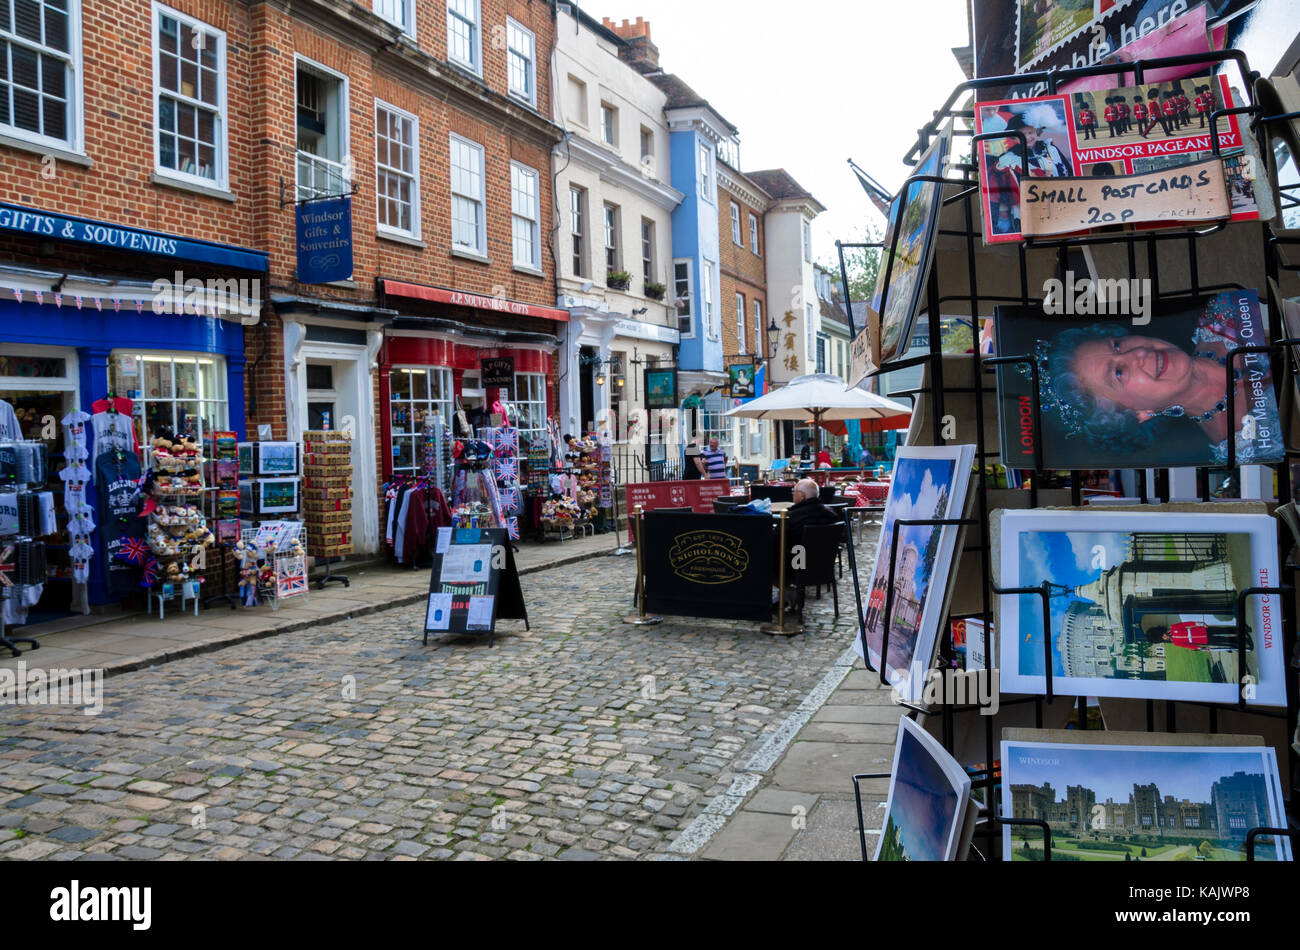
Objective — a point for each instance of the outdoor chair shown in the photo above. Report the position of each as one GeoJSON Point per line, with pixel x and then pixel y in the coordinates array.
{"type": "Point", "coordinates": [772, 492]}
{"type": "Point", "coordinates": [821, 543]}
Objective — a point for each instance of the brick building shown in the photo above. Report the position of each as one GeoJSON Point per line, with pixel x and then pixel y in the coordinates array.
{"type": "Point", "coordinates": [147, 145]}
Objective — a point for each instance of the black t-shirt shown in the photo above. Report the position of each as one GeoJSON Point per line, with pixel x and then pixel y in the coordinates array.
{"type": "Point", "coordinates": [119, 518]}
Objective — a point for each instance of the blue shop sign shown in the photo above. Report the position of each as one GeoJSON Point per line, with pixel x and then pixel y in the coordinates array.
{"type": "Point", "coordinates": [62, 227]}
{"type": "Point", "coordinates": [324, 240]}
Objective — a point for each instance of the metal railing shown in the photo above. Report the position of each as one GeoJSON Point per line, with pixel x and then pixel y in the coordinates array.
{"type": "Point", "coordinates": [631, 465]}
{"type": "Point", "coordinates": [319, 176]}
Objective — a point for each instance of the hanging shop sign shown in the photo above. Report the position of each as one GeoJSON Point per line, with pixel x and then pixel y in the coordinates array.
{"type": "Point", "coordinates": [473, 583]}
{"type": "Point", "coordinates": [740, 377]}
{"type": "Point", "coordinates": [62, 227]}
{"type": "Point", "coordinates": [498, 372]}
{"type": "Point", "coordinates": [1183, 195]}
{"type": "Point", "coordinates": [708, 565]}
{"type": "Point", "coordinates": [661, 389]}
{"type": "Point", "coordinates": [324, 240]}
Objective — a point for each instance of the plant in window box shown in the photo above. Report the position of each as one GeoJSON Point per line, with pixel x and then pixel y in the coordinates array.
{"type": "Point", "coordinates": [618, 280]}
{"type": "Point", "coordinates": [655, 291]}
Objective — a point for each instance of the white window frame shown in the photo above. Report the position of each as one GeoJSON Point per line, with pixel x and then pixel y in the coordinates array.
{"type": "Point", "coordinates": [528, 95]}
{"type": "Point", "coordinates": [611, 224]}
{"type": "Point", "coordinates": [760, 332]}
{"type": "Point", "coordinates": [475, 64]}
{"type": "Point", "coordinates": [535, 235]}
{"type": "Point", "coordinates": [220, 400]}
{"type": "Point", "coordinates": [481, 227]}
{"type": "Point", "coordinates": [707, 313]}
{"type": "Point", "coordinates": [414, 175]}
{"type": "Point", "coordinates": [403, 14]}
{"type": "Point", "coordinates": [735, 225]}
{"type": "Point", "coordinates": [741, 342]}
{"type": "Point", "coordinates": [609, 130]}
{"type": "Point", "coordinates": [530, 394]}
{"type": "Point", "coordinates": [344, 118]}
{"type": "Point", "coordinates": [647, 134]}
{"type": "Point", "coordinates": [753, 235]}
{"type": "Point", "coordinates": [648, 251]}
{"type": "Point", "coordinates": [445, 407]}
{"type": "Point", "coordinates": [690, 296]}
{"type": "Point", "coordinates": [807, 241]}
{"type": "Point", "coordinates": [74, 87]}
{"type": "Point", "coordinates": [580, 240]}
{"type": "Point", "coordinates": [706, 173]}
{"type": "Point", "coordinates": [221, 158]}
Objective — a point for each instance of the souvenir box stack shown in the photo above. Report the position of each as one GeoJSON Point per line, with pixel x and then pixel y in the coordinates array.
{"type": "Point", "coordinates": [327, 492]}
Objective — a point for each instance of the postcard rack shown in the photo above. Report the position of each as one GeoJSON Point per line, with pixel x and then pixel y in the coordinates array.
{"type": "Point", "coordinates": [963, 195]}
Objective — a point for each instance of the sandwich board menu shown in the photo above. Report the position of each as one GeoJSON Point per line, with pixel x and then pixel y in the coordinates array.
{"type": "Point", "coordinates": [473, 584]}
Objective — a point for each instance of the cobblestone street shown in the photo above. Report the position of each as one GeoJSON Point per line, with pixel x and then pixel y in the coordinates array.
{"type": "Point", "coordinates": [583, 738]}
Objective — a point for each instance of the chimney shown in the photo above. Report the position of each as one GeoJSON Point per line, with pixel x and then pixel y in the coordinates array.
{"type": "Point", "coordinates": [640, 52]}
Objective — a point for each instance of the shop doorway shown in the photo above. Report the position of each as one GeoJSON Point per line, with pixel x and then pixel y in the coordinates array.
{"type": "Point", "coordinates": [587, 385]}
{"type": "Point", "coordinates": [334, 393]}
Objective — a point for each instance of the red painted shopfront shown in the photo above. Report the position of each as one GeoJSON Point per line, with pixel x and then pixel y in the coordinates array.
{"type": "Point", "coordinates": [432, 360]}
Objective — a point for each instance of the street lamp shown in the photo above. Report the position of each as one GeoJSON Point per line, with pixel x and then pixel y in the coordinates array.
{"type": "Point", "coordinates": [773, 338]}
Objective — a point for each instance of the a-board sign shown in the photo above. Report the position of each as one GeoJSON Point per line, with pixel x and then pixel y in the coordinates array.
{"type": "Point", "coordinates": [698, 493]}
{"type": "Point", "coordinates": [708, 565]}
{"type": "Point", "coordinates": [473, 583]}
{"type": "Point", "coordinates": [1188, 193]}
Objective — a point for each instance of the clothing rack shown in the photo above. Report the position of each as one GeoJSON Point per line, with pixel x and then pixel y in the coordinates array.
{"type": "Point", "coordinates": [22, 558]}
{"type": "Point", "coordinates": [964, 195]}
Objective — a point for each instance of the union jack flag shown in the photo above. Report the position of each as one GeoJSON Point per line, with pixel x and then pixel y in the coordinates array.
{"type": "Point", "coordinates": [505, 469]}
{"type": "Point", "coordinates": [133, 551]}
{"type": "Point", "coordinates": [512, 525]}
{"type": "Point", "coordinates": [510, 500]}
{"type": "Point", "coordinates": [5, 567]}
{"type": "Point", "coordinates": [293, 578]}
{"type": "Point", "coordinates": [150, 575]}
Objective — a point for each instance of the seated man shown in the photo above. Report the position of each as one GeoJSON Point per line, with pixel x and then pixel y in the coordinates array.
{"type": "Point", "coordinates": [807, 509]}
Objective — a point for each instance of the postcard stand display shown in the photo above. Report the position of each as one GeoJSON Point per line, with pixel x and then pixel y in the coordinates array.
{"type": "Point", "coordinates": [270, 554]}
{"type": "Point", "coordinates": [22, 557]}
{"type": "Point", "coordinates": [327, 497]}
{"type": "Point", "coordinates": [1177, 249]}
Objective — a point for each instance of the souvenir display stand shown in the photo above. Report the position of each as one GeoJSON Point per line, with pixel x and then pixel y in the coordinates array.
{"type": "Point", "coordinates": [270, 553]}
{"type": "Point", "coordinates": [273, 563]}
{"type": "Point", "coordinates": [22, 557]}
{"type": "Point", "coordinates": [327, 499]}
{"type": "Point", "coordinates": [969, 269]}
{"type": "Point", "coordinates": [178, 535]}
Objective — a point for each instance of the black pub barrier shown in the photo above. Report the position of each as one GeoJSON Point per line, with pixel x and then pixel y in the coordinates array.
{"type": "Point", "coordinates": [965, 190]}
{"type": "Point", "coordinates": [706, 565]}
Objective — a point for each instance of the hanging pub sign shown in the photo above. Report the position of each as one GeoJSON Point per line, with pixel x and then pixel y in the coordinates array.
{"type": "Point", "coordinates": [661, 388]}
{"type": "Point", "coordinates": [324, 240]}
{"type": "Point", "coordinates": [741, 378]}
{"type": "Point", "coordinates": [498, 372]}
{"type": "Point", "coordinates": [1065, 205]}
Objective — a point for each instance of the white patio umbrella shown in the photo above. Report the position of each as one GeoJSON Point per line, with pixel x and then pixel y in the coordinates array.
{"type": "Point", "coordinates": [823, 397]}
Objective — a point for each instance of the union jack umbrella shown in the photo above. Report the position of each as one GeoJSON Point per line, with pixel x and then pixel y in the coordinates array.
{"type": "Point", "coordinates": [150, 575]}
{"type": "Point", "coordinates": [5, 567]}
{"type": "Point", "coordinates": [133, 550]}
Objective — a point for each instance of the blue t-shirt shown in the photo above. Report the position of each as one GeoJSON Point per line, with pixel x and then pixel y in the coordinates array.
{"type": "Point", "coordinates": [715, 461]}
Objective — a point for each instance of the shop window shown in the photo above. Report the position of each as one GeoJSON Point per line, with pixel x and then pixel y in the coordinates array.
{"type": "Point", "coordinates": [414, 393]}
{"type": "Point", "coordinates": [40, 82]}
{"type": "Point", "coordinates": [525, 216]}
{"type": "Point", "coordinates": [467, 196]}
{"type": "Point", "coordinates": [530, 406]}
{"type": "Point", "coordinates": [397, 162]}
{"type": "Point", "coordinates": [183, 392]}
{"type": "Point", "coordinates": [40, 384]}
{"type": "Point", "coordinates": [190, 89]}
{"type": "Point", "coordinates": [321, 132]}
{"type": "Point", "coordinates": [521, 49]}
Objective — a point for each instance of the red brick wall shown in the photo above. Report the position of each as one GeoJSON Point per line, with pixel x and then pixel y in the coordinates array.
{"type": "Point", "coordinates": [742, 271]}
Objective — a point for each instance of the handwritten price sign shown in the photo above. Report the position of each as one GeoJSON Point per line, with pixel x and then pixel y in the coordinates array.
{"type": "Point", "coordinates": [1188, 193]}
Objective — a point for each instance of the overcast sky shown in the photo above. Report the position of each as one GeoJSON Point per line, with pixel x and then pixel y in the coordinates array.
{"type": "Point", "coordinates": [812, 83]}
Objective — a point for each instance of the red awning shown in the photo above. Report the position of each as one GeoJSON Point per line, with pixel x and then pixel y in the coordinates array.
{"type": "Point", "coordinates": [460, 298]}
